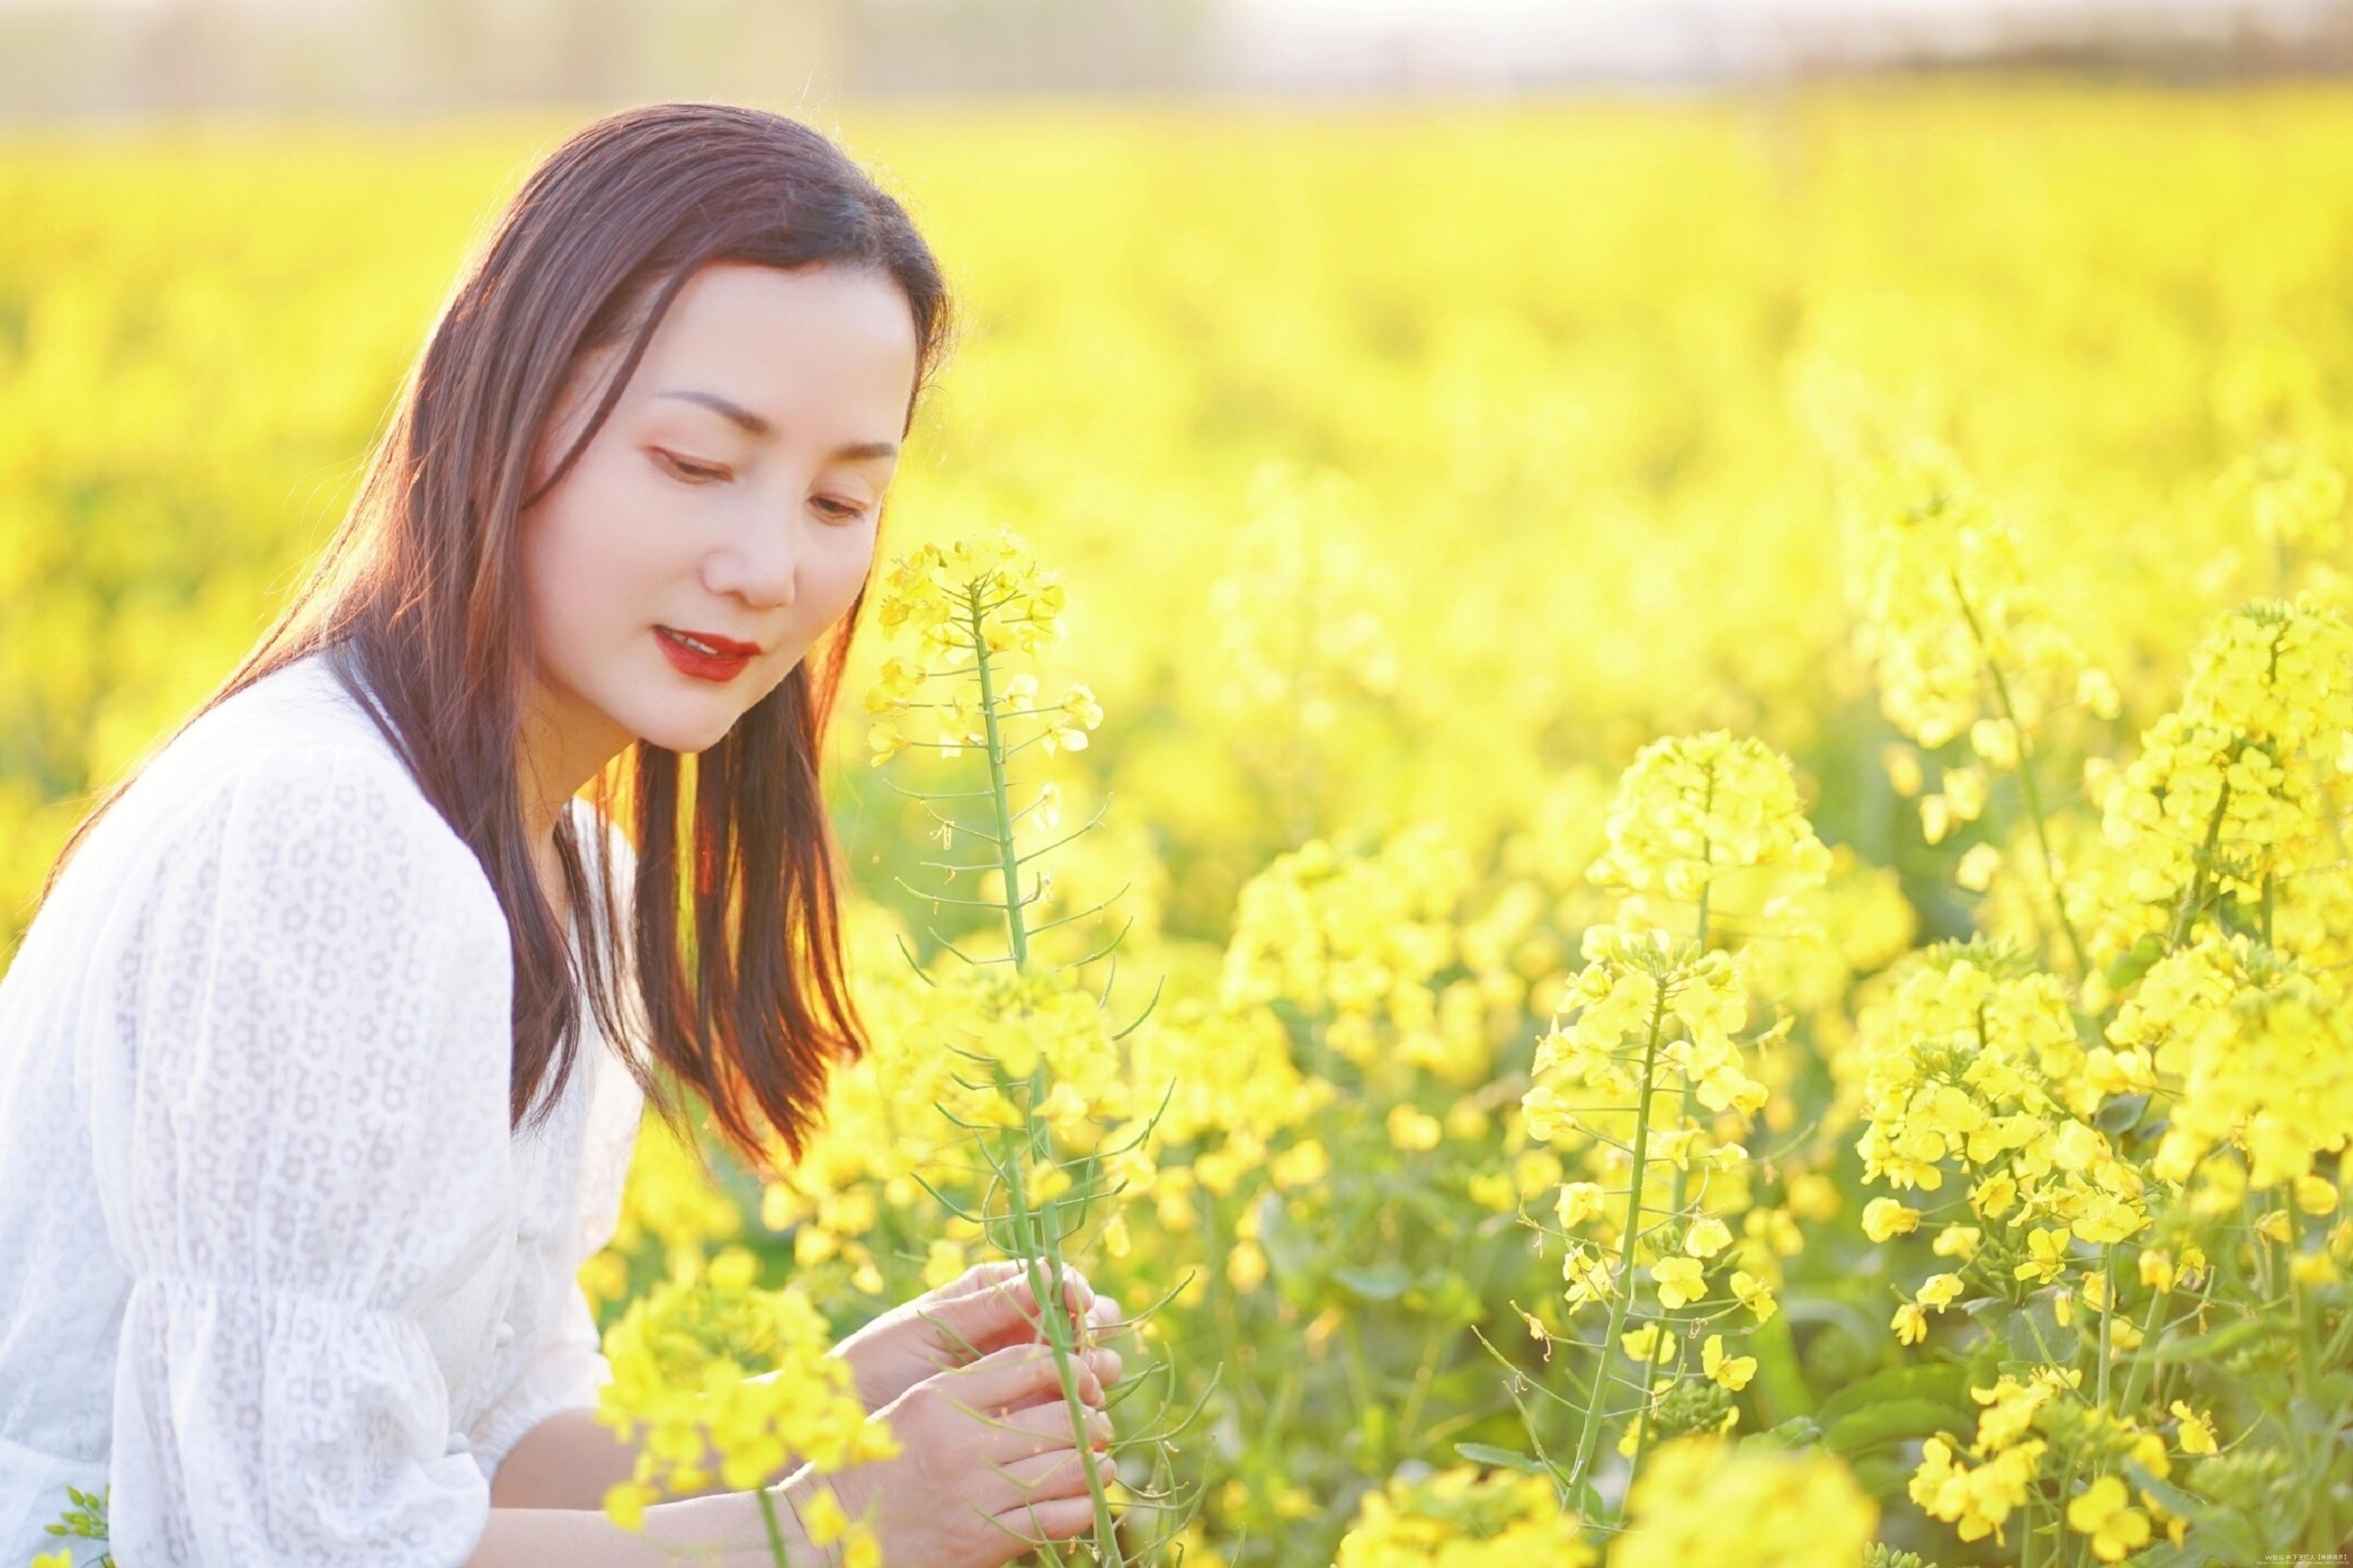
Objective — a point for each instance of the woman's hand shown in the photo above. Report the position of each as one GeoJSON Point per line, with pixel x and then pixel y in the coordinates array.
{"type": "Point", "coordinates": [987, 1308]}
{"type": "Point", "coordinates": [989, 1465]}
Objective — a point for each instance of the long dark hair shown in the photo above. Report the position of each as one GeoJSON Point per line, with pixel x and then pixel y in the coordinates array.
{"type": "Point", "coordinates": [419, 601]}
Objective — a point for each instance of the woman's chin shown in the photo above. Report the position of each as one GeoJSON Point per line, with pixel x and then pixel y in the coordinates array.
{"type": "Point", "coordinates": [672, 724]}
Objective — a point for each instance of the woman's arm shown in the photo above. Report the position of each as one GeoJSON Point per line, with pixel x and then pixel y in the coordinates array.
{"type": "Point", "coordinates": [565, 1462]}
{"type": "Point", "coordinates": [724, 1529]}
{"type": "Point", "coordinates": [568, 1461]}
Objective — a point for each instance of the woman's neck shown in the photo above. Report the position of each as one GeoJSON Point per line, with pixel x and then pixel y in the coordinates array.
{"type": "Point", "coordinates": [562, 743]}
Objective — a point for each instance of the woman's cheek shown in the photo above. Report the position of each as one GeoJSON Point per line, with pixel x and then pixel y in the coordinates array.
{"type": "Point", "coordinates": [855, 565]}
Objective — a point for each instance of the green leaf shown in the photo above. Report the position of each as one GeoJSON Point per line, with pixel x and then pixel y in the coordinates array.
{"type": "Point", "coordinates": [2121, 1115]}
{"type": "Point", "coordinates": [1379, 1282]}
{"type": "Point", "coordinates": [1444, 1294]}
{"type": "Point", "coordinates": [2215, 1343]}
{"type": "Point", "coordinates": [1502, 1458]}
{"type": "Point", "coordinates": [1894, 1421]}
{"type": "Point", "coordinates": [2314, 1422]}
{"type": "Point", "coordinates": [1943, 1383]}
{"type": "Point", "coordinates": [1797, 1432]}
{"type": "Point", "coordinates": [2134, 963]}
{"type": "Point", "coordinates": [2224, 1531]}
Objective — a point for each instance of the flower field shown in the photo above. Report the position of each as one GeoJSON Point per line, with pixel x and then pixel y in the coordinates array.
{"type": "Point", "coordinates": [1643, 831]}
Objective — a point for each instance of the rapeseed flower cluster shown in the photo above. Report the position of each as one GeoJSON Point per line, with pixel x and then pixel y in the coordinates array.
{"type": "Point", "coordinates": [1460, 1517]}
{"type": "Point", "coordinates": [732, 1385]}
{"type": "Point", "coordinates": [1948, 613]}
{"type": "Point", "coordinates": [1699, 1498]}
{"type": "Point", "coordinates": [1357, 941]}
{"type": "Point", "coordinates": [1019, 1059]}
{"type": "Point", "coordinates": [1693, 810]}
{"type": "Point", "coordinates": [669, 1205]}
{"type": "Point", "coordinates": [950, 1054]}
{"type": "Point", "coordinates": [2229, 801]}
{"type": "Point", "coordinates": [2260, 1050]}
{"type": "Point", "coordinates": [1643, 1039]}
{"type": "Point", "coordinates": [1974, 1060]}
{"type": "Point", "coordinates": [1302, 652]}
{"type": "Point", "coordinates": [976, 610]}
{"type": "Point", "coordinates": [1643, 1000]}
{"type": "Point", "coordinates": [2026, 1424]}
{"type": "Point", "coordinates": [2292, 493]}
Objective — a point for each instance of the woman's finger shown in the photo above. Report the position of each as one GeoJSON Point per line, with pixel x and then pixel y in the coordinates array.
{"type": "Point", "coordinates": [1038, 1429]}
{"type": "Point", "coordinates": [979, 1277]}
{"type": "Point", "coordinates": [1002, 1381]}
{"type": "Point", "coordinates": [989, 1310]}
{"type": "Point", "coordinates": [1060, 1519]}
{"type": "Point", "coordinates": [1046, 1478]}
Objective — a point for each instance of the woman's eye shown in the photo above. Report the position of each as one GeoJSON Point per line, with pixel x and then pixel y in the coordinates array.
{"type": "Point", "coordinates": [841, 511]}
{"type": "Point", "coordinates": [695, 473]}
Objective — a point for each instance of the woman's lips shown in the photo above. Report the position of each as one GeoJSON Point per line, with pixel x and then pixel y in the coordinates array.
{"type": "Point", "coordinates": [702, 666]}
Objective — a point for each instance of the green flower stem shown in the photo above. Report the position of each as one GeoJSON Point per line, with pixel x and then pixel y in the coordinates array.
{"type": "Point", "coordinates": [1037, 1233]}
{"type": "Point", "coordinates": [2026, 783]}
{"type": "Point", "coordinates": [2320, 1529]}
{"type": "Point", "coordinates": [777, 1551]}
{"type": "Point", "coordinates": [1042, 1250]}
{"type": "Point", "coordinates": [2059, 1512]}
{"type": "Point", "coordinates": [1360, 1383]}
{"type": "Point", "coordinates": [1642, 1426]}
{"type": "Point", "coordinates": [1015, 937]}
{"type": "Point", "coordinates": [1590, 1436]}
{"type": "Point", "coordinates": [2107, 1314]}
{"type": "Point", "coordinates": [1684, 1106]}
{"type": "Point", "coordinates": [1424, 1371]}
{"type": "Point", "coordinates": [2195, 899]}
{"type": "Point", "coordinates": [2136, 1374]}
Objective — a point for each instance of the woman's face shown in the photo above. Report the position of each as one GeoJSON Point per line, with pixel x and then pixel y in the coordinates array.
{"type": "Point", "coordinates": [731, 493]}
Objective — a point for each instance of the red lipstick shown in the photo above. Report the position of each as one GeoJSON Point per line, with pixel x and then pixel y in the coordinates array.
{"type": "Point", "coordinates": [731, 659]}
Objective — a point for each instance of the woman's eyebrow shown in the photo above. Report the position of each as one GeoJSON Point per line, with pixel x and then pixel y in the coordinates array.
{"type": "Point", "coordinates": [759, 429]}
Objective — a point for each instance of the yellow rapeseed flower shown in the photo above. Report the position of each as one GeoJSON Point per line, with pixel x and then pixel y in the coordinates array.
{"type": "Point", "coordinates": [1704, 1499]}
{"type": "Point", "coordinates": [1883, 1218]}
{"type": "Point", "coordinates": [2103, 1512]}
{"type": "Point", "coordinates": [1910, 1323]}
{"type": "Point", "coordinates": [1691, 810]}
{"type": "Point", "coordinates": [1679, 1281]}
{"type": "Point", "coordinates": [1732, 1372]}
{"type": "Point", "coordinates": [728, 1381]}
{"type": "Point", "coordinates": [1460, 1518]}
{"type": "Point", "coordinates": [1753, 1294]}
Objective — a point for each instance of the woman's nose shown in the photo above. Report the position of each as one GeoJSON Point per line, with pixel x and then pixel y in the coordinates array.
{"type": "Point", "coordinates": [762, 563]}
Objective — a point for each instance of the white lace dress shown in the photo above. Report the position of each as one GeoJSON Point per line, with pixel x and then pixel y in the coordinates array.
{"type": "Point", "coordinates": [272, 1263]}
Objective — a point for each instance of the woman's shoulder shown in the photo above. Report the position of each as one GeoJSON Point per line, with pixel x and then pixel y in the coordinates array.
{"type": "Point", "coordinates": [292, 771]}
{"type": "Point", "coordinates": [297, 716]}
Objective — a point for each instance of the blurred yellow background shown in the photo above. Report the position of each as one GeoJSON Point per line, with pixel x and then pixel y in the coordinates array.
{"type": "Point", "coordinates": [1401, 459]}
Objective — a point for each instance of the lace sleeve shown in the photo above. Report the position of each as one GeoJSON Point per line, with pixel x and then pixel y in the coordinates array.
{"type": "Point", "coordinates": [309, 1152]}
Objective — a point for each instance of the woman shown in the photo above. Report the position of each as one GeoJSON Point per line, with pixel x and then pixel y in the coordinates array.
{"type": "Point", "coordinates": [300, 1141]}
